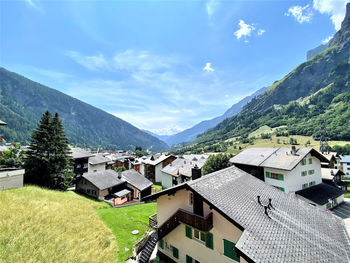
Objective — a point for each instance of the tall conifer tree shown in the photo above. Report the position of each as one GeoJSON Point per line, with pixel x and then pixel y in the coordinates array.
{"type": "Point", "coordinates": [47, 161]}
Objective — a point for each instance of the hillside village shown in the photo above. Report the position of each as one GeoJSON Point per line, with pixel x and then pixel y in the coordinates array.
{"type": "Point", "coordinates": [268, 184]}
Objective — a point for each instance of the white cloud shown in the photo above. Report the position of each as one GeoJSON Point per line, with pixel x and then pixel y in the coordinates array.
{"type": "Point", "coordinates": [261, 31]}
{"type": "Point", "coordinates": [93, 63]}
{"type": "Point", "coordinates": [211, 7]}
{"type": "Point", "coordinates": [335, 8]}
{"type": "Point", "coordinates": [244, 30]}
{"type": "Point", "coordinates": [301, 14]}
{"type": "Point", "coordinates": [208, 67]}
{"type": "Point", "coordinates": [325, 41]}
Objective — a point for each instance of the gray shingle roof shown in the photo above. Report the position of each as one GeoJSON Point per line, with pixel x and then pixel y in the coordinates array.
{"type": "Point", "coordinates": [104, 179]}
{"type": "Point", "coordinates": [320, 193]}
{"type": "Point", "coordinates": [156, 159]}
{"type": "Point", "coordinates": [278, 158]}
{"type": "Point", "coordinates": [98, 159]}
{"type": "Point", "coordinates": [77, 153]}
{"type": "Point", "coordinates": [182, 167]}
{"type": "Point", "coordinates": [136, 179]}
{"type": "Point", "coordinates": [328, 173]}
{"type": "Point", "coordinates": [295, 231]}
{"type": "Point", "coordinates": [345, 159]}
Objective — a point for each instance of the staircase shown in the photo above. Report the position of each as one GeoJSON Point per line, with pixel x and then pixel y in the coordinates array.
{"type": "Point", "coordinates": [148, 248]}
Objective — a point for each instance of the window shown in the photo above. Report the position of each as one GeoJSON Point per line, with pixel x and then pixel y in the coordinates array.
{"type": "Point", "coordinates": [312, 183]}
{"type": "Point", "coordinates": [161, 243]}
{"type": "Point", "coordinates": [229, 250]}
{"type": "Point", "coordinates": [190, 198]}
{"type": "Point", "coordinates": [78, 166]}
{"type": "Point", "coordinates": [335, 202]}
{"type": "Point", "coordinates": [277, 176]}
{"type": "Point", "coordinates": [311, 171]}
{"type": "Point", "coordinates": [310, 160]}
{"type": "Point", "coordinates": [85, 165]}
{"type": "Point", "coordinates": [303, 173]}
{"type": "Point", "coordinates": [303, 161]}
{"type": "Point", "coordinates": [328, 206]}
{"type": "Point", "coordinates": [305, 185]}
{"type": "Point", "coordinates": [199, 235]}
{"type": "Point", "coordinates": [267, 174]}
{"type": "Point", "coordinates": [95, 171]}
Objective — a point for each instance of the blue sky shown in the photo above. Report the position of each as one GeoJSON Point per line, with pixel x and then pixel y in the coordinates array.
{"type": "Point", "coordinates": [162, 65]}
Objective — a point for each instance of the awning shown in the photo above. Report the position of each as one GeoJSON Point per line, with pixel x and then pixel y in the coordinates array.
{"type": "Point", "coordinates": [122, 193]}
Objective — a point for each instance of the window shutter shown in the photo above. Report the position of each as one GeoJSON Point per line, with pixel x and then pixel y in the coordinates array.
{"type": "Point", "coordinates": [229, 250]}
{"type": "Point", "coordinates": [161, 243]}
{"type": "Point", "coordinates": [188, 259]}
{"type": "Point", "coordinates": [188, 232]}
{"type": "Point", "coordinates": [310, 161]}
{"type": "Point", "coordinates": [280, 177]}
{"type": "Point", "coordinates": [175, 252]}
{"type": "Point", "coordinates": [268, 174]}
{"type": "Point", "coordinates": [209, 240]}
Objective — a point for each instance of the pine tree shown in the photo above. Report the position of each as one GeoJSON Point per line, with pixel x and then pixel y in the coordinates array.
{"type": "Point", "coordinates": [47, 162]}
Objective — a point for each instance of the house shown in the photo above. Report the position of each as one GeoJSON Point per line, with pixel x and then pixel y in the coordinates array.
{"type": "Point", "coordinates": [81, 160]}
{"type": "Point", "coordinates": [231, 216]}
{"type": "Point", "coordinates": [137, 183]}
{"type": "Point", "coordinates": [101, 184]}
{"type": "Point", "coordinates": [333, 160]}
{"type": "Point", "coordinates": [11, 178]}
{"type": "Point", "coordinates": [154, 164]}
{"type": "Point", "coordinates": [124, 161]}
{"type": "Point", "coordinates": [289, 169]}
{"type": "Point", "coordinates": [345, 165]}
{"type": "Point", "coordinates": [181, 170]}
{"type": "Point", "coordinates": [118, 188]}
{"type": "Point", "coordinates": [334, 177]}
{"type": "Point", "coordinates": [98, 163]}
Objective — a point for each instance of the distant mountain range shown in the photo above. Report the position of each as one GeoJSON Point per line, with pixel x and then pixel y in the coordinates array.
{"type": "Point", "coordinates": [191, 134]}
{"type": "Point", "coordinates": [22, 103]}
{"type": "Point", "coordinates": [317, 90]}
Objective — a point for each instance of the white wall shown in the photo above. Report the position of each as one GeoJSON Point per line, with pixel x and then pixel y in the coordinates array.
{"type": "Point", "coordinates": [97, 168]}
{"type": "Point", "coordinates": [293, 180]}
{"type": "Point", "coordinates": [339, 199]}
{"type": "Point", "coordinates": [11, 179]}
{"type": "Point", "coordinates": [167, 180]}
{"type": "Point", "coordinates": [158, 172]}
{"type": "Point", "coordinates": [222, 229]}
{"type": "Point", "coordinates": [346, 169]}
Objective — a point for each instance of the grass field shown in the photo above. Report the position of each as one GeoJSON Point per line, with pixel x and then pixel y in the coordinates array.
{"type": "Point", "coordinates": [38, 225]}
{"type": "Point", "coordinates": [281, 141]}
{"type": "Point", "coordinates": [124, 220]}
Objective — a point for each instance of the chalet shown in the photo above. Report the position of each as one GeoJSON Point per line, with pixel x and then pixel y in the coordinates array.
{"type": "Point", "coordinates": [345, 165]}
{"type": "Point", "coordinates": [334, 177]}
{"type": "Point", "coordinates": [124, 161]}
{"type": "Point", "coordinates": [137, 183]}
{"type": "Point", "coordinates": [118, 188]}
{"type": "Point", "coordinates": [154, 164]}
{"type": "Point", "coordinates": [333, 160]}
{"type": "Point", "coordinates": [231, 216]}
{"type": "Point", "coordinates": [181, 170]}
{"type": "Point", "coordinates": [81, 160]}
{"type": "Point", "coordinates": [98, 163]}
{"type": "Point", "coordinates": [11, 178]}
{"type": "Point", "coordinates": [289, 169]}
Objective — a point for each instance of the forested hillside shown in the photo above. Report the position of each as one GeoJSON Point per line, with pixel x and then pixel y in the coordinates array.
{"type": "Point", "coordinates": [22, 103]}
{"type": "Point", "coordinates": [315, 90]}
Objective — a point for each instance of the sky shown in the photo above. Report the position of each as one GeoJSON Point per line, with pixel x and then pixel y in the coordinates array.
{"type": "Point", "coordinates": [162, 65]}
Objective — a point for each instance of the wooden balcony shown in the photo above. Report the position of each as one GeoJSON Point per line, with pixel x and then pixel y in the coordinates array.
{"type": "Point", "coordinates": [181, 216]}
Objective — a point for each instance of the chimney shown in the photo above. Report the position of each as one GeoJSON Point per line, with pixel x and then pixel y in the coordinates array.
{"type": "Point", "coordinates": [196, 172]}
{"type": "Point", "coordinates": [119, 175]}
{"type": "Point", "coordinates": [294, 151]}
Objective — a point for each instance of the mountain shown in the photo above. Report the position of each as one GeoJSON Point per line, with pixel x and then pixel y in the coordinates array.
{"type": "Point", "coordinates": [191, 134]}
{"type": "Point", "coordinates": [317, 90]}
{"type": "Point", "coordinates": [315, 51]}
{"type": "Point", "coordinates": [22, 103]}
{"type": "Point", "coordinates": [160, 137]}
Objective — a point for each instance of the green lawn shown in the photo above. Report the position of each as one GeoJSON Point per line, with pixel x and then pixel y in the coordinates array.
{"type": "Point", "coordinates": [347, 195]}
{"type": "Point", "coordinates": [124, 220]}
{"type": "Point", "coordinates": [156, 187]}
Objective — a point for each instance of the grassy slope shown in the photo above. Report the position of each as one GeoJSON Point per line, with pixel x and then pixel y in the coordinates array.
{"type": "Point", "coordinates": [38, 225]}
{"type": "Point", "coordinates": [124, 220]}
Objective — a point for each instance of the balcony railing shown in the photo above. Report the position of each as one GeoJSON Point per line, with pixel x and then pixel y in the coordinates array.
{"type": "Point", "coordinates": [199, 222]}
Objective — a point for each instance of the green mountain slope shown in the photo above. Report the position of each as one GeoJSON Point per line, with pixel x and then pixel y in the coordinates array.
{"type": "Point", "coordinates": [317, 89]}
{"type": "Point", "coordinates": [22, 102]}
